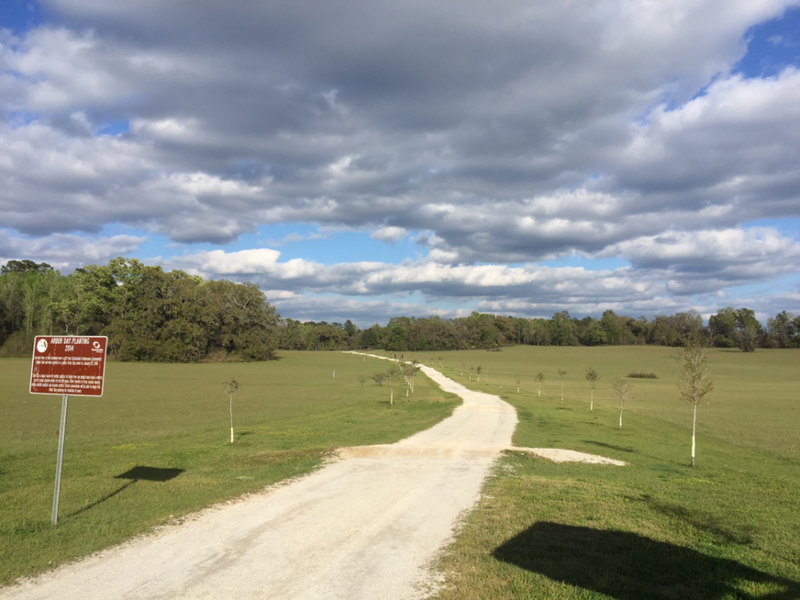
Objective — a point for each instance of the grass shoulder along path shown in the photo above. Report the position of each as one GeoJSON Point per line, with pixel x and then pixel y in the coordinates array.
{"type": "Point", "coordinates": [729, 528]}
{"type": "Point", "coordinates": [156, 446]}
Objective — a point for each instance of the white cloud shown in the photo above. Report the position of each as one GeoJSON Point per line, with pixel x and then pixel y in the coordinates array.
{"type": "Point", "coordinates": [389, 234]}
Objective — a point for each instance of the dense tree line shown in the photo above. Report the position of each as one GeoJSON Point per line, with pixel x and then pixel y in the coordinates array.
{"type": "Point", "coordinates": [152, 315]}
{"type": "Point", "coordinates": [147, 314]}
{"type": "Point", "coordinates": [728, 328]}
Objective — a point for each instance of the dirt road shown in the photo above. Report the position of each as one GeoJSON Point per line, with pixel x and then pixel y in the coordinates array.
{"type": "Point", "coordinates": [364, 527]}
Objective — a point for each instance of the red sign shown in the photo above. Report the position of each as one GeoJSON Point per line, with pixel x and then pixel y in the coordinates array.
{"type": "Point", "coordinates": [71, 365]}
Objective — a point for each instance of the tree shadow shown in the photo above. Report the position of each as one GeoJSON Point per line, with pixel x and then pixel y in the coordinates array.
{"type": "Point", "coordinates": [627, 566]}
{"type": "Point", "coordinates": [699, 520]}
{"type": "Point", "coordinates": [135, 474]}
{"type": "Point", "coordinates": [609, 446]}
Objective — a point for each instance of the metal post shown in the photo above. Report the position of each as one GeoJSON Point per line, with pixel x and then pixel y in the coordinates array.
{"type": "Point", "coordinates": [64, 400]}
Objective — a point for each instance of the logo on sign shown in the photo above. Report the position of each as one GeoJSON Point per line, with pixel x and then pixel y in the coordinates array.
{"type": "Point", "coordinates": [42, 345]}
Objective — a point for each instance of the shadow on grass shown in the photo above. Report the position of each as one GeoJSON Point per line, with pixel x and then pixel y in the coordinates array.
{"type": "Point", "coordinates": [149, 474]}
{"type": "Point", "coordinates": [627, 566]}
{"type": "Point", "coordinates": [610, 446]}
{"type": "Point", "coordinates": [698, 520]}
{"type": "Point", "coordinates": [135, 474]}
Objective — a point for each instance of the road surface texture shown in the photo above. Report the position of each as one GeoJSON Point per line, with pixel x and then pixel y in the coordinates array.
{"type": "Point", "coordinates": [366, 526]}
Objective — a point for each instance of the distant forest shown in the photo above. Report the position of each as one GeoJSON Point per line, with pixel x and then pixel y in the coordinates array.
{"type": "Point", "coordinates": [152, 315]}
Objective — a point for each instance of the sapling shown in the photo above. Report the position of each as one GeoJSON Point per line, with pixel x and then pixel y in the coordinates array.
{"type": "Point", "coordinates": [392, 375]}
{"type": "Point", "coordinates": [592, 376]}
{"type": "Point", "coordinates": [539, 379]}
{"type": "Point", "coordinates": [624, 394]}
{"type": "Point", "coordinates": [562, 373]}
{"type": "Point", "coordinates": [694, 383]}
{"type": "Point", "coordinates": [231, 387]}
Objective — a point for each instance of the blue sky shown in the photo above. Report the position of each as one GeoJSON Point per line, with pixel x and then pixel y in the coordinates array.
{"type": "Point", "coordinates": [368, 161]}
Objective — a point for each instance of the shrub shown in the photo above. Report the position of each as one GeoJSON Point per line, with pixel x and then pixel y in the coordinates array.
{"type": "Point", "coordinates": [642, 375]}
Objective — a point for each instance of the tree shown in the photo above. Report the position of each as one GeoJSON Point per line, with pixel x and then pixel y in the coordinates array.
{"type": "Point", "coordinates": [623, 391]}
{"type": "Point", "coordinates": [478, 371]}
{"type": "Point", "coordinates": [784, 330]}
{"type": "Point", "coordinates": [231, 387]}
{"type": "Point", "coordinates": [23, 266]}
{"type": "Point", "coordinates": [694, 382]}
{"type": "Point", "coordinates": [379, 377]}
{"type": "Point", "coordinates": [518, 380]}
{"type": "Point", "coordinates": [409, 371]}
{"type": "Point", "coordinates": [562, 373]}
{"type": "Point", "coordinates": [392, 377]}
{"type": "Point", "coordinates": [539, 379]}
{"type": "Point", "coordinates": [361, 379]}
{"type": "Point", "coordinates": [749, 330]}
{"type": "Point", "coordinates": [592, 376]}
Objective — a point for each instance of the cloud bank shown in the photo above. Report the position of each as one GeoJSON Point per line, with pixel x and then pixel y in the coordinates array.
{"type": "Point", "coordinates": [502, 140]}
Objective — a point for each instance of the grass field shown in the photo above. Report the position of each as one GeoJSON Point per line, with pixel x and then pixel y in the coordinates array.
{"type": "Point", "coordinates": [156, 445]}
{"type": "Point", "coordinates": [729, 528]}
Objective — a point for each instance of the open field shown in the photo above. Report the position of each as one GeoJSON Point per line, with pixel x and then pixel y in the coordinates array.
{"type": "Point", "coordinates": [730, 528]}
{"type": "Point", "coordinates": [155, 447]}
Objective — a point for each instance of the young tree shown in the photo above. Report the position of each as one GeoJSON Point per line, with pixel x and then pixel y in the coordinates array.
{"type": "Point", "coordinates": [539, 379]}
{"type": "Point", "coordinates": [362, 379]}
{"type": "Point", "coordinates": [518, 380]}
{"type": "Point", "coordinates": [478, 371]}
{"type": "Point", "coordinates": [624, 394]}
{"type": "Point", "coordinates": [562, 373]}
{"type": "Point", "coordinates": [592, 376]}
{"type": "Point", "coordinates": [694, 383]}
{"type": "Point", "coordinates": [231, 387]}
{"type": "Point", "coordinates": [392, 377]}
{"type": "Point", "coordinates": [379, 377]}
{"type": "Point", "coordinates": [409, 371]}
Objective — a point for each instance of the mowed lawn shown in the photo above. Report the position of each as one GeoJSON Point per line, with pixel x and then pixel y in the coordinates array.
{"type": "Point", "coordinates": [156, 445]}
{"type": "Point", "coordinates": [729, 528]}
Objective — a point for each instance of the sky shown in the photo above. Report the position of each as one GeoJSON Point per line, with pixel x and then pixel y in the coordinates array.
{"type": "Point", "coordinates": [364, 160]}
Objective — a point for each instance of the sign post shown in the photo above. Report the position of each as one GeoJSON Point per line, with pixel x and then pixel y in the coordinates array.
{"type": "Point", "coordinates": [67, 365]}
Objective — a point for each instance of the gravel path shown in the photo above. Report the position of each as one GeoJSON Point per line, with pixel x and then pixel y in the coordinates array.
{"type": "Point", "coordinates": [364, 527]}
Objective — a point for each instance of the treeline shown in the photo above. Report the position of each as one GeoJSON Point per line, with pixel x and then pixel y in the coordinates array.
{"type": "Point", "coordinates": [152, 315]}
{"type": "Point", "coordinates": [728, 328]}
{"type": "Point", "coordinates": [147, 314]}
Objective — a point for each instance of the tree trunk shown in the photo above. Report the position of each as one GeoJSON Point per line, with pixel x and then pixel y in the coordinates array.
{"type": "Point", "coordinates": [694, 429]}
{"type": "Point", "coordinates": [591, 402]}
{"type": "Point", "coordinates": [231, 419]}
{"type": "Point", "coordinates": [391, 397]}
{"type": "Point", "coordinates": [620, 419]}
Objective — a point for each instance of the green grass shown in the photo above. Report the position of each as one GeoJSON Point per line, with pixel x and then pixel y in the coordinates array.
{"type": "Point", "coordinates": [156, 445]}
{"type": "Point", "coordinates": [729, 528]}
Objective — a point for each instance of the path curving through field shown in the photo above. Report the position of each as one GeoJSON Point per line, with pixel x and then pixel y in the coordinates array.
{"type": "Point", "coordinates": [365, 527]}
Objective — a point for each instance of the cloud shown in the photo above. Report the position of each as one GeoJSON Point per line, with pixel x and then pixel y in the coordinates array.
{"type": "Point", "coordinates": [67, 251]}
{"type": "Point", "coordinates": [512, 137]}
{"type": "Point", "coordinates": [389, 234]}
